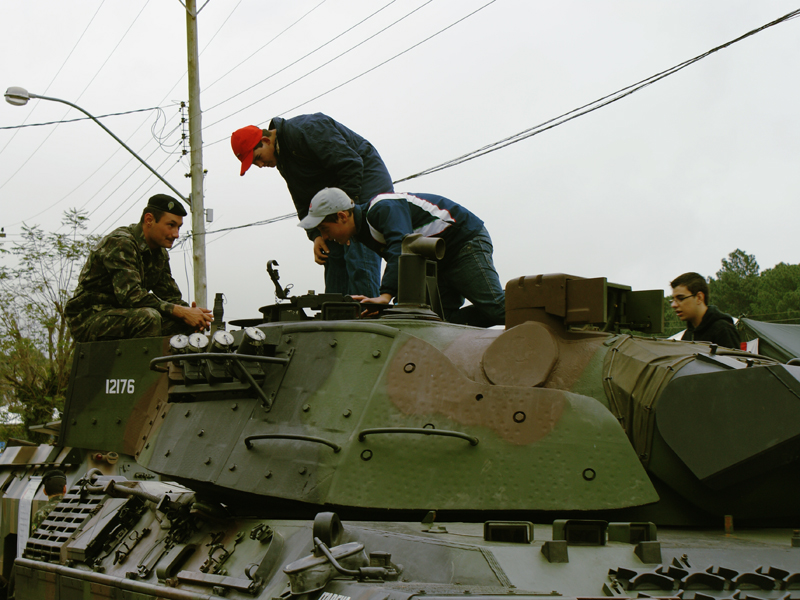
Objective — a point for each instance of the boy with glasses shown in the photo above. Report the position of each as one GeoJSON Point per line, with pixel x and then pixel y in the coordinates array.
{"type": "Point", "coordinates": [704, 322]}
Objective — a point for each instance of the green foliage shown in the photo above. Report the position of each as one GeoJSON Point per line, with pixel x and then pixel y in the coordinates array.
{"type": "Point", "coordinates": [735, 288]}
{"type": "Point", "coordinates": [778, 297]}
{"type": "Point", "coordinates": [35, 342]}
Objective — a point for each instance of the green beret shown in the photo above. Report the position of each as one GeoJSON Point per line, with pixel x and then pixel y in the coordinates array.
{"type": "Point", "coordinates": [167, 204]}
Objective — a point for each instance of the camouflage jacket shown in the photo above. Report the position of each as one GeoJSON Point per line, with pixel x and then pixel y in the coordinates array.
{"type": "Point", "coordinates": [123, 272]}
{"type": "Point", "coordinates": [45, 509]}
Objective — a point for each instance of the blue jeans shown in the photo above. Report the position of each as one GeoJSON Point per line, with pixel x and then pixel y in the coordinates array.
{"type": "Point", "coordinates": [470, 274]}
{"type": "Point", "coordinates": [353, 269]}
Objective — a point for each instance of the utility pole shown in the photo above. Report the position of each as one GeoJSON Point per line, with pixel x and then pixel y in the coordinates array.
{"type": "Point", "coordinates": [196, 156]}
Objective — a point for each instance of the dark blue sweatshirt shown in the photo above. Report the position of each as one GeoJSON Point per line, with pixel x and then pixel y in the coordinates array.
{"type": "Point", "coordinates": [316, 152]}
{"type": "Point", "coordinates": [388, 218]}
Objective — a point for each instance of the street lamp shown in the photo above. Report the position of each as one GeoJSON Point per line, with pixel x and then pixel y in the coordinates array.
{"type": "Point", "coordinates": [19, 97]}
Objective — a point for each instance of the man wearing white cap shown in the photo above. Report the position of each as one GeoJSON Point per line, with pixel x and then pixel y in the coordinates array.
{"type": "Point", "coordinates": [466, 271]}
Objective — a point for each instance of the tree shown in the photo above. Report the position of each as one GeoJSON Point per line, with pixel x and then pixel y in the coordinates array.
{"type": "Point", "coordinates": [736, 286]}
{"type": "Point", "coordinates": [35, 342]}
{"type": "Point", "coordinates": [778, 297]}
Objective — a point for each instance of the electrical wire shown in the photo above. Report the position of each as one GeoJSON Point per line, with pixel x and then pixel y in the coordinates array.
{"type": "Point", "coordinates": [104, 163]}
{"type": "Point", "coordinates": [591, 107]}
{"type": "Point", "coordinates": [136, 130]}
{"type": "Point", "coordinates": [122, 203]}
{"type": "Point", "coordinates": [76, 119]}
{"type": "Point", "coordinates": [112, 114]}
{"type": "Point", "coordinates": [291, 64]}
{"type": "Point", "coordinates": [327, 63]}
{"type": "Point", "coordinates": [556, 121]}
{"type": "Point", "coordinates": [45, 92]}
{"type": "Point", "coordinates": [388, 60]}
{"type": "Point", "coordinates": [231, 70]}
{"type": "Point", "coordinates": [105, 62]}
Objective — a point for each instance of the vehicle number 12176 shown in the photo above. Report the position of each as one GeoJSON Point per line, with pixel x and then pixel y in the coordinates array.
{"type": "Point", "coordinates": [119, 386]}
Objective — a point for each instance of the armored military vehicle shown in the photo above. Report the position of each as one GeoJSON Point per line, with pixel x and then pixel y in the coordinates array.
{"type": "Point", "coordinates": [318, 454]}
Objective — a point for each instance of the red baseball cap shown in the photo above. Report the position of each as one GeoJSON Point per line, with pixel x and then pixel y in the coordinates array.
{"type": "Point", "coordinates": [244, 142]}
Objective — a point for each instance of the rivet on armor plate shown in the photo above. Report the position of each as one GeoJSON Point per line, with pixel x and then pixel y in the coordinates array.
{"type": "Point", "coordinates": [376, 354]}
{"type": "Point", "coordinates": [409, 367]}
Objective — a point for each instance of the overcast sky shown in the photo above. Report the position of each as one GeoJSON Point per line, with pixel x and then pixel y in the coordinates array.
{"type": "Point", "coordinates": [670, 179]}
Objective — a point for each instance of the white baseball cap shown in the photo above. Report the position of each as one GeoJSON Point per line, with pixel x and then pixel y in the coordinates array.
{"type": "Point", "coordinates": [325, 202]}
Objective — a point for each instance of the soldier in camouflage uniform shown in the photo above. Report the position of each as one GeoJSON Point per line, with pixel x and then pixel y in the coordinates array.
{"type": "Point", "coordinates": [55, 486]}
{"type": "Point", "coordinates": [126, 289]}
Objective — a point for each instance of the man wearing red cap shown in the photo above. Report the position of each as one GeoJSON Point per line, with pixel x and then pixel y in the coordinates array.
{"type": "Point", "coordinates": [312, 152]}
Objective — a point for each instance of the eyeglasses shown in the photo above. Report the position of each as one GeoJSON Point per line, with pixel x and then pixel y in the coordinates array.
{"type": "Point", "coordinates": [682, 298]}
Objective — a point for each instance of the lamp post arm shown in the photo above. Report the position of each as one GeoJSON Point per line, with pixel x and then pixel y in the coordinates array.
{"type": "Point", "coordinates": [121, 143]}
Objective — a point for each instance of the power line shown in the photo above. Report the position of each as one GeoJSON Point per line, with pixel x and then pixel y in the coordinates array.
{"type": "Point", "coordinates": [161, 142]}
{"type": "Point", "coordinates": [390, 59]}
{"type": "Point", "coordinates": [231, 70]}
{"type": "Point", "coordinates": [75, 120]}
{"type": "Point", "coordinates": [554, 122]}
{"type": "Point", "coordinates": [357, 76]}
{"type": "Point", "coordinates": [264, 222]}
{"type": "Point", "coordinates": [592, 106]}
{"type": "Point", "coordinates": [45, 92]}
{"type": "Point", "coordinates": [105, 62]}
{"type": "Point", "coordinates": [121, 204]}
{"type": "Point", "coordinates": [127, 140]}
{"type": "Point", "coordinates": [314, 70]}
{"type": "Point", "coordinates": [291, 64]}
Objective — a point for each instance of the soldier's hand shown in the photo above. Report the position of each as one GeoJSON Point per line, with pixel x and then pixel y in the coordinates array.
{"type": "Point", "coordinates": [198, 318]}
{"type": "Point", "coordinates": [320, 251]}
{"type": "Point", "coordinates": [382, 299]}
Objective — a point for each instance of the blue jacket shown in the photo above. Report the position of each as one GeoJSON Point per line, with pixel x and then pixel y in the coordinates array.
{"type": "Point", "coordinates": [315, 152]}
{"type": "Point", "coordinates": [382, 225]}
